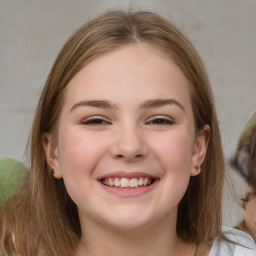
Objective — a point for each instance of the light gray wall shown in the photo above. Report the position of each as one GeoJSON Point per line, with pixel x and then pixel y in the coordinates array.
{"type": "Point", "coordinates": [32, 33]}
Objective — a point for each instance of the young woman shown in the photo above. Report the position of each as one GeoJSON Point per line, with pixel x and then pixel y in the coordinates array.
{"type": "Point", "coordinates": [126, 157]}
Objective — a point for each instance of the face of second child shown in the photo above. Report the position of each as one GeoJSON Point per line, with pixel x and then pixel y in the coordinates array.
{"type": "Point", "coordinates": [126, 139]}
{"type": "Point", "coordinates": [250, 214]}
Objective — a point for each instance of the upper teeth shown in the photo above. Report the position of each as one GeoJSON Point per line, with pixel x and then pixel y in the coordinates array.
{"type": "Point", "coordinates": [125, 182]}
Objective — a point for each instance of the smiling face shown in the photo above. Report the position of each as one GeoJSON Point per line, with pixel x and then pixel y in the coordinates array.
{"type": "Point", "coordinates": [126, 145]}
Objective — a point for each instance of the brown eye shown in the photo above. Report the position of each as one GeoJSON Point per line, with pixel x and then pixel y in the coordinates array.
{"type": "Point", "coordinates": [161, 121]}
{"type": "Point", "coordinates": [95, 121]}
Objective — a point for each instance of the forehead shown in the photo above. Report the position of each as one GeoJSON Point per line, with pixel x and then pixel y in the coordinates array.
{"type": "Point", "coordinates": [138, 60]}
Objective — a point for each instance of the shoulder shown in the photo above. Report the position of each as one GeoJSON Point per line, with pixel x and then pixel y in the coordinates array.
{"type": "Point", "coordinates": [240, 244]}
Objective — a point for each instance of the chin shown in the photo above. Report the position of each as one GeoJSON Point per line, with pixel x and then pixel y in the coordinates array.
{"type": "Point", "coordinates": [129, 220]}
{"type": "Point", "coordinates": [130, 226]}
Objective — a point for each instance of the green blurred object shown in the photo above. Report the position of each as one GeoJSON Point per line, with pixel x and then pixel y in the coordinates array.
{"type": "Point", "coordinates": [11, 175]}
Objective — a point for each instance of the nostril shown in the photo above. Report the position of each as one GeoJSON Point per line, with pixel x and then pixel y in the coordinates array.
{"type": "Point", "coordinates": [121, 156]}
{"type": "Point", "coordinates": [139, 156]}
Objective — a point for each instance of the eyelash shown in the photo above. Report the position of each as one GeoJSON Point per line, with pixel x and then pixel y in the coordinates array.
{"type": "Point", "coordinates": [160, 121]}
{"type": "Point", "coordinates": [248, 197]}
{"type": "Point", "coordinates": [95, 121]}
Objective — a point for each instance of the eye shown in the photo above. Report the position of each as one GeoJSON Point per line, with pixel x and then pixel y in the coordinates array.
{"type": "Point", "coordinates": [160, 121]}
{"type": "Point", "coordinates": [249, 196]}
{"type": "Point", "coordinates": [95, 121]}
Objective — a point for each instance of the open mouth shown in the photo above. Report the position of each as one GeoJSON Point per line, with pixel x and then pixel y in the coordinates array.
{"type": "Point", "coordinates": [128, 183]}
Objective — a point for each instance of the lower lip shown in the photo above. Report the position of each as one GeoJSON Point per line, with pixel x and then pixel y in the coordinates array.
{"type": "Point", "coordinates": [130, 192]}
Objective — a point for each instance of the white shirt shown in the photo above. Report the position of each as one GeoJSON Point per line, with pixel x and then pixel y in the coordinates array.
{"type": "Point", "coordinates": [244, 244]}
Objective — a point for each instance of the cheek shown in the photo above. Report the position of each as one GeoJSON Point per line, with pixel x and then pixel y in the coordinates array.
{"type": "Point", "coordinates": [79, 152]}
{"type": "Point", "coordinates": [79, 155]}
{"type": "Point", "coordinates": [250, 215]}
{"type": "Point", "coordinates": [174, 151]}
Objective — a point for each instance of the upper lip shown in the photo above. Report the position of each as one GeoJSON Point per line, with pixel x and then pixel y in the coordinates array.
{"type": "Point", "coordinates": [129, 175]}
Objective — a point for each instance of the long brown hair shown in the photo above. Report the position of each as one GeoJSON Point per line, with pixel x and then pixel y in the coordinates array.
{"type": "Point", "coordinates": [42, 219]}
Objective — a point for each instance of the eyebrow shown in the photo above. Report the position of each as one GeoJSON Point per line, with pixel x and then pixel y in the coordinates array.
{"type": "Point", "coordinates": [157, 103]}
{"type": "Point", "coordinates": [93, 103]}
{"type": "Point", "coordinates": [105, 104]}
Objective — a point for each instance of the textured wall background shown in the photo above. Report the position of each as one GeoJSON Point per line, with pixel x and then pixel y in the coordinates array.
{"type": "Point", "coordinates": [32, 33]}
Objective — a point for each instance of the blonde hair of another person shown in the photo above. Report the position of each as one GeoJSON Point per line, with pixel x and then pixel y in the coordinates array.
{"type": "Point", "coordinates": [244, 162]}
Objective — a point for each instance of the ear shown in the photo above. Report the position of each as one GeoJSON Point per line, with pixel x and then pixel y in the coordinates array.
{"type": "Point", "coordinates": [52, 155]}
{"type": "Point", "coordinates": [200, 149]}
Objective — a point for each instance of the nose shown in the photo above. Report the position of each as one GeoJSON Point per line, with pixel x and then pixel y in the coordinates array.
{"type": "Point", "coordinates": [129, 145]}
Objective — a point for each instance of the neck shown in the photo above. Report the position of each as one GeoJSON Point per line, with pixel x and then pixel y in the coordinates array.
{"type": "Point", "coordinates": [158, 240]}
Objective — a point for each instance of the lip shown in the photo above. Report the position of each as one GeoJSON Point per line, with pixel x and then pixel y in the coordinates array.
{"type": "Point", "coordinates": [129, 192]}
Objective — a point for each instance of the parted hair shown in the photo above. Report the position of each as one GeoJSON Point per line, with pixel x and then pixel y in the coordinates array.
{"type": "Point", "coordinates": [42, 219]}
